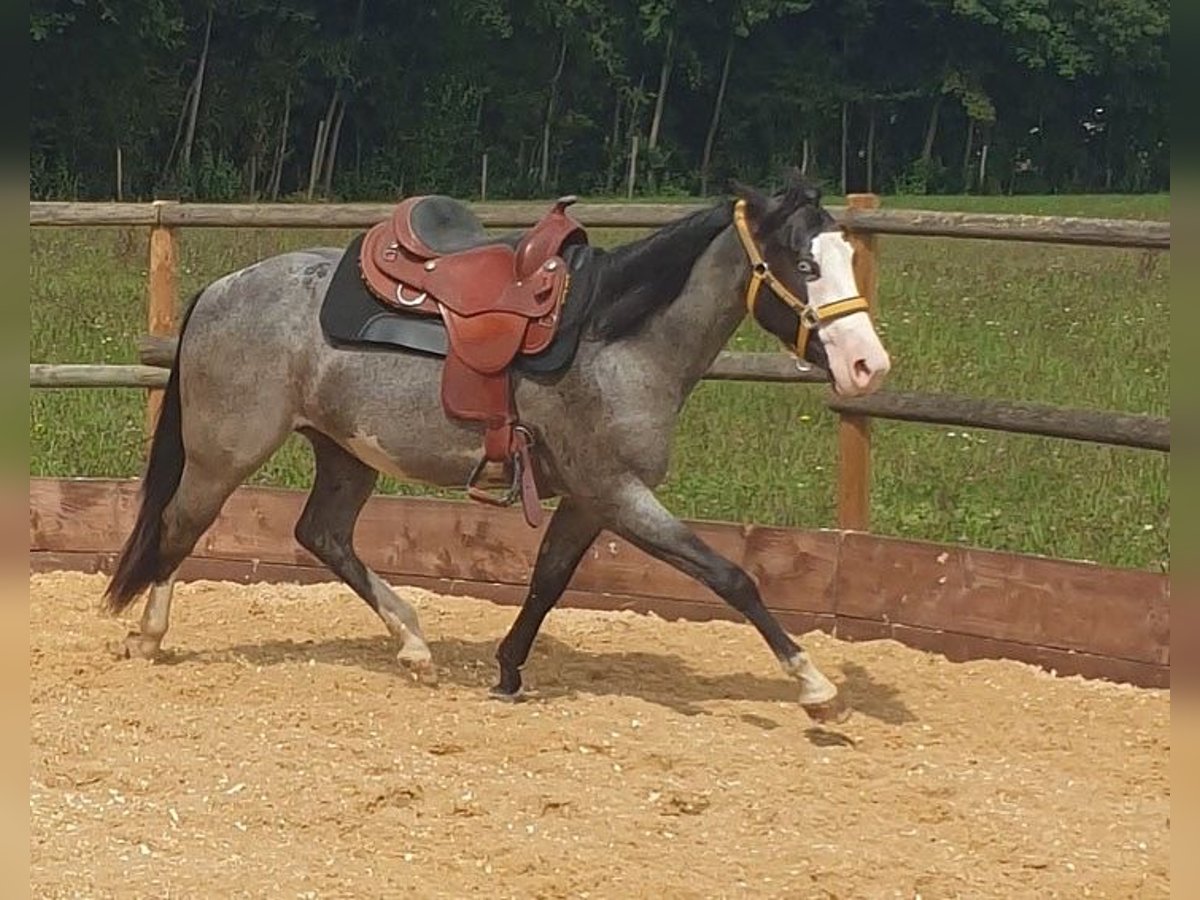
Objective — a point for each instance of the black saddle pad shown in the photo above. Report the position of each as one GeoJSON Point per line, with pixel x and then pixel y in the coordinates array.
{"type": "Point", "coordinates": [353, 318]}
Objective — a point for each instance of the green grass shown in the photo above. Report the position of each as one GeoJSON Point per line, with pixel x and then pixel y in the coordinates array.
{"type": "Point", "coordinates": [1074, 326]}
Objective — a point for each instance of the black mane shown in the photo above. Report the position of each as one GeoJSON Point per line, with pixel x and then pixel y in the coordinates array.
{"type": "Point", "coordinates": [636, 280]}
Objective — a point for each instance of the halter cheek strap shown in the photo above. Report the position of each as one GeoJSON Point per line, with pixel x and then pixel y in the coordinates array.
{"type": "Point", "coordinates": [811, 317]}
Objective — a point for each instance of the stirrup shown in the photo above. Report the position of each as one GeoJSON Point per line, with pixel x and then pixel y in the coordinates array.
{"type": "Point", "coordinates": [483, 495]}
{"type": "Point", "coordinates": [523, 485]}
{"type": "Point", "coordinates": [524, 439]}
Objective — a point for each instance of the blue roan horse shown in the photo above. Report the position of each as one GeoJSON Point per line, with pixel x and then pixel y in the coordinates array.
{"type": "Point", "coordinates": [253, 366]}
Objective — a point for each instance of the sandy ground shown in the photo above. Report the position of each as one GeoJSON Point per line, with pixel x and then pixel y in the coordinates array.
{"type": "Point", "coordinates": [278, 751]}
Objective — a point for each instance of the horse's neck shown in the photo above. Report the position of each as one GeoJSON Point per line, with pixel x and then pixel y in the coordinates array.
{"type": "Point", "coordinates": [686, 337]}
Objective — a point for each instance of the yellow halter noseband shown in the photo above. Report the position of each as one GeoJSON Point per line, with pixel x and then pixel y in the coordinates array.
{"type": "Point", "coordinates": [811, 317]}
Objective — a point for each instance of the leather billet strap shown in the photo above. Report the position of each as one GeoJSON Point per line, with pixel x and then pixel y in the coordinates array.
{"type": "Point", "coordinates": [811, 317]}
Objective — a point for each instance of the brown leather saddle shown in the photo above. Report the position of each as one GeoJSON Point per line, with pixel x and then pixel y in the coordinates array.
{"type": "Point", "coordinates": [498, 297]}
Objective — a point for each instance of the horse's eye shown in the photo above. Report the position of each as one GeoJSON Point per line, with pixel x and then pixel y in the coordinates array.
{"type": "Point", "coordinates": [808, 269]}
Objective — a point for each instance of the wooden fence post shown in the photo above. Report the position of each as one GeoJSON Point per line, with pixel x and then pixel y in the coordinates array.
{"type": "Point", "coordinates": [854, 431]}
{"type": "Point", "coordinates": [162, 297]}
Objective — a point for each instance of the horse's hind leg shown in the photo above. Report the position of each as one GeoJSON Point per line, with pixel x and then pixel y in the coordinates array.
{"type": "Point", "coordinates": [326, 529]}
{"type": "Point", "coordinates": [156, 614]}
{"type": "Point", "coordinates": [202, 492]}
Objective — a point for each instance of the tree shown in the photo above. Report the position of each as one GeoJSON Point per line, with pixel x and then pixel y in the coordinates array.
{"type": "Point", "coordinates": [244, 98]}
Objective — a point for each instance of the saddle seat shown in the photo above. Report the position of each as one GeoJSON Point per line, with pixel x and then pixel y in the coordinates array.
{"type": "Point", "coordinates": [498, 297]}
{"type": "Point", "coordinates": [442, 225]}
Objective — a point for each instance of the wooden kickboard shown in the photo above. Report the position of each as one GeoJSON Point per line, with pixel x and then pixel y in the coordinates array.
{"type": "Point", "coordinates": [1076, 618]}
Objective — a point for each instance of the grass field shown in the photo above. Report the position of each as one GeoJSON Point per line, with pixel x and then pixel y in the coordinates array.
{"type": "Point", "coordinates": [1085, 327]}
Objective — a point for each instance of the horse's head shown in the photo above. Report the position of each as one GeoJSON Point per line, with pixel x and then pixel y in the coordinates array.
{"type": "Point", "coordinates": [802, 282]}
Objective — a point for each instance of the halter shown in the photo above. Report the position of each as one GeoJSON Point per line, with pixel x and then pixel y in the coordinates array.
{"type": "Point", "coordinates": [811, 317]}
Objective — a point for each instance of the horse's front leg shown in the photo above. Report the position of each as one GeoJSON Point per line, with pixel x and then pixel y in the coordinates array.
{"type": "Point", "coordinates": [571, 531]}
{"type": "Point", "coordinates": [639, 517]}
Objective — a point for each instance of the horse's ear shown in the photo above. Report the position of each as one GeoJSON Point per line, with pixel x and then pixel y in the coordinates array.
{"type": "Point", "coordinates": [757, 205]}
{"type": "Point", "coordinates": [741, 190]}
{"type": "Point", "coordinates": [800, 187]}
{"type": "Point", "coordinates": [784, 205]}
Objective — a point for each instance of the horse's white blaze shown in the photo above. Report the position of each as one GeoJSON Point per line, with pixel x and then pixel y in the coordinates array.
{"type": "Point", "coordinates": [857, 360]}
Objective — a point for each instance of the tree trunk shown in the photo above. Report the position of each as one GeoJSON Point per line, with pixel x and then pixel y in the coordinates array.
{"type": "Point", "coordinates": [845, 143]}
{"type": "Point", "coordinates": [632, 166]}
{"type": "Point", "coordinates": [983, 155]}
{"type": "Point", "coordinates": [804, 157]}
{"type": "Point", "coordinates": [664, 78]}
{"type": "Point", "coordinates": [258, 150]}
{"type": "Point", "coordinates": [183, 111]}
{"type": "Point", "coordinates": [614, 146]}
{"type": "Point", "coordinates": [931, 129]}
{"type": "Point", "coordinates": [331, 155]}
{"type": "Point", "coordinates": [635, 103]}
{"type": "Point", "coordinates": [562, 59]}
{"type": "Point", "coordinates": [314, 165]}
{"type": "Point", "coordinates": [871, 151]}
{"type": "Point", "coordinates": [185, 158]}
{"type": "Point", "coordinates": [710, 138]}
{"type": "Point", "coordinates": [281, 151]}
{"type": "Point", "coordinates": [966, 163]}
{"type": "Point", "coordinates": [333, 126]}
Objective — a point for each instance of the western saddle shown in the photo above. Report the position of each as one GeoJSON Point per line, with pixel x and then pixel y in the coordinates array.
{"type": "Point", "coordinates": [498, 297]}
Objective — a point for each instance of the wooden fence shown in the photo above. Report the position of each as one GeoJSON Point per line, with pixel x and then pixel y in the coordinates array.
{"type": "Point", "coordinates": [865, 222]}
{"type": "Point", "coordinates": [862, 216]}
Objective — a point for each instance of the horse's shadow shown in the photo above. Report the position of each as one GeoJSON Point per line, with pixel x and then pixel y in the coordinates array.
{"type": "Point", "coordinates": [559, 670]}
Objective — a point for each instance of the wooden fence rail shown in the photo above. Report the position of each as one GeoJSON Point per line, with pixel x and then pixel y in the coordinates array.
{"type": "Point", "coordinates": [1096, 426]}
{"type": "Point", "coordinates": [780, 368]}
{"type": "Point", "coordinates": [1117, 429]}
{"type": "Point", "coordinates": [85, 375]}
{"type": "Point", "coordinates": [1134, 233]}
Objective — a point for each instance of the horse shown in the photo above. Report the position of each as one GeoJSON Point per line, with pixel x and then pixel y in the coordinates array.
{"type": "Point", "coordinates": [252, 367]}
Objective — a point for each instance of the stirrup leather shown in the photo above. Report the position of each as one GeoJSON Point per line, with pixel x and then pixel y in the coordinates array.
{"type": "Point", "coordinates": [523, 486]}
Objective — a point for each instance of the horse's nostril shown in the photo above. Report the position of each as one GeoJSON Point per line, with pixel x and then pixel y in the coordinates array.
{"type": "Point", "coordinates": [862, 371]}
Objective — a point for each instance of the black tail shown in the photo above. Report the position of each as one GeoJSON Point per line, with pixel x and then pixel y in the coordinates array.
{"type": "Point", "coordinates": [140, 561]}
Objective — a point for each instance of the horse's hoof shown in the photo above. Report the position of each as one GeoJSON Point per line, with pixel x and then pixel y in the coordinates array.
{"type": "Point", "coordinates": [815, 689]}
{"type": "Point", "coordinates": [831, 712]}
{"type": "Point", "coordinates": [498, 693]}
{"type": "Point", "coordinates": [139, 646]}
{"type": "Point", "coordinates": [420, 664]}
